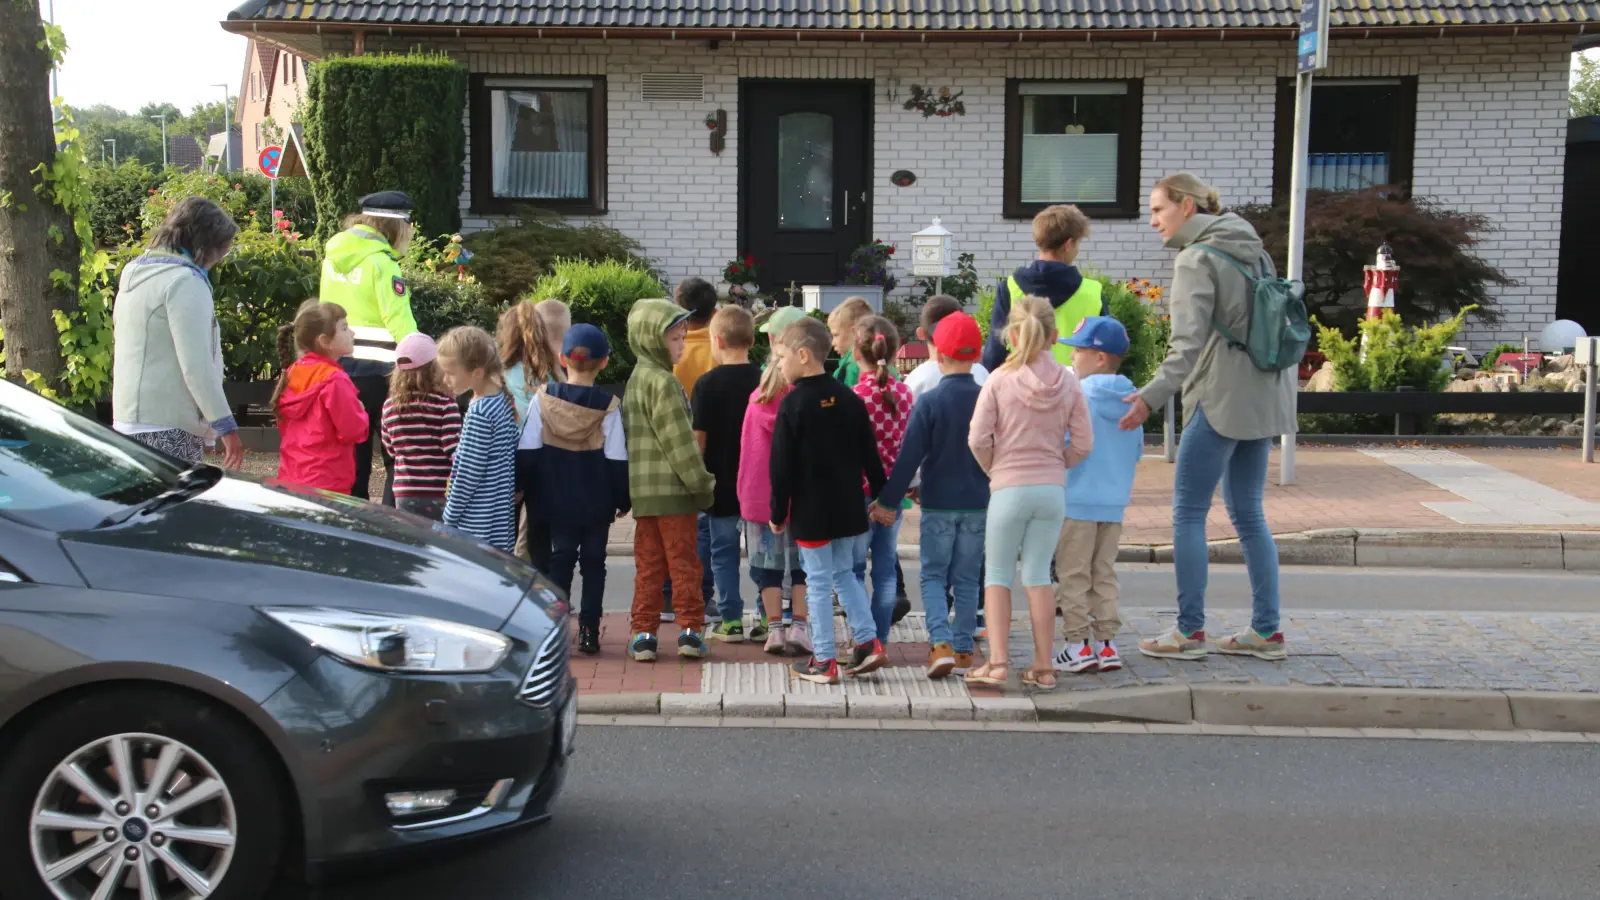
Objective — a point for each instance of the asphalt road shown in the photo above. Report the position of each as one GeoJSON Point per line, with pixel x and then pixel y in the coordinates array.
{"type": "Point", "coordinates": [1150, 585]}
{"type": "Point", "coordinates": [776, 814]}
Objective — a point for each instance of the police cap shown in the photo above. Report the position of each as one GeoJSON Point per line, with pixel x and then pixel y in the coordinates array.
{"type": "Point", "coordinates": [390, 204]}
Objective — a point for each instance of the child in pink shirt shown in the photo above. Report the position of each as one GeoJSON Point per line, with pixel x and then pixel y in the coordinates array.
{"type": "Point", "coordinates": [771, 555]}
{"type": "Point", "coordinates": [888, 403]}
{"type": "Point", "coordinates": [1031, 425]}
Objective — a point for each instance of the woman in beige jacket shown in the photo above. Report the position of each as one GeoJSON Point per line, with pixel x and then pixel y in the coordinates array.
{"type": "Point", "coordinates": [1232, 410]}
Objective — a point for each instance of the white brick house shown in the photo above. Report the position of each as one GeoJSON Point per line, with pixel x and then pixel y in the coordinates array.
{"type": "Point", "coordinates": [602, 111]}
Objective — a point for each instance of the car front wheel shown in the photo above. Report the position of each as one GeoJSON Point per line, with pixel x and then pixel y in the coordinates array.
{"type": "Point", "coordinates": [139, 793]}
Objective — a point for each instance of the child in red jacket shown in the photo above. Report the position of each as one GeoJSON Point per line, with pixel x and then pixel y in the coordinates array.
{"type": "Point", "coordinates": [320, 417]}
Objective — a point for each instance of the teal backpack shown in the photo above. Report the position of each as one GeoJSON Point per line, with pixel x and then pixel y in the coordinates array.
{"type": "Point", "coordinates": [1279, 329]}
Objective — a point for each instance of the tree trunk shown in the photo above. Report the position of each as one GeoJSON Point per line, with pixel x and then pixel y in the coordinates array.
{"type": "Point", "coordinates": [28, 254]}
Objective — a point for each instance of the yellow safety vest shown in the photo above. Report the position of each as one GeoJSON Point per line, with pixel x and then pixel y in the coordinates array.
{"type": "Point", "coordinates": [1086, 301]}
{"type": "Point", "coordinates": [361, 273]}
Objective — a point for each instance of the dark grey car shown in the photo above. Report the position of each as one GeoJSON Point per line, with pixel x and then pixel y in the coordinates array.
{"type": "Point", "coordinates": [208, 680]}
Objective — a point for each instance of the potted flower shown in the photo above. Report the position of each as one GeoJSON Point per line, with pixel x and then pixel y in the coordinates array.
{"type": "Point", "coordinates": [866, 275]}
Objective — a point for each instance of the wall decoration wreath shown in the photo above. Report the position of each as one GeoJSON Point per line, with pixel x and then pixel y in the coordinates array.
{"type": "Point", "coordinates": [936, 103]}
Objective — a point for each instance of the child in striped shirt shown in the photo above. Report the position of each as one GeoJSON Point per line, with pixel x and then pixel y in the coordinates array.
{"type": "Point", "coordinates": [420, 429]}
{"type": "Point", "coordinates": [483, 474]}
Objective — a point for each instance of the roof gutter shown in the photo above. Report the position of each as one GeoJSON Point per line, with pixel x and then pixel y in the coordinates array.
{"type": "Point", "coordinates": [264, 29]}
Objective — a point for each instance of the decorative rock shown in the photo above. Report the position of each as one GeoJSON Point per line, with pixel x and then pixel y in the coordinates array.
{"type": "Point", "coordinates": [1321, 381]}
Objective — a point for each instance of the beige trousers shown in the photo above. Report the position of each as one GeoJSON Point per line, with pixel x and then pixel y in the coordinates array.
{"type": "Point", "coordinates": [1086, 559]}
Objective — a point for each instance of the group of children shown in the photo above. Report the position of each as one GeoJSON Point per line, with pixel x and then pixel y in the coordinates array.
{"type": "Point", "coordinates": [809, 472]}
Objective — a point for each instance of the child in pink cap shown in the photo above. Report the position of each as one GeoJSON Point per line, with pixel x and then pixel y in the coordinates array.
{"type": "Point", "coordinates": [421, 427]}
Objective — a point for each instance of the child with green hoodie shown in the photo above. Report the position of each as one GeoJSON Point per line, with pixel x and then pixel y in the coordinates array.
{"type": "Point", "coordinates": [667, 481]}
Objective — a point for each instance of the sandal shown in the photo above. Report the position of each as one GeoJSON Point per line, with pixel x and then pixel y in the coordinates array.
{"type": "Point", "coordinates": [1036, 676]}
{"type": "Point", "coordinates": [985, 674]}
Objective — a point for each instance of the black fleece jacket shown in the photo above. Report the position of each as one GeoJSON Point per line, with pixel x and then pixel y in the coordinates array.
{"type": "Point", "coordinates": [822, 444]}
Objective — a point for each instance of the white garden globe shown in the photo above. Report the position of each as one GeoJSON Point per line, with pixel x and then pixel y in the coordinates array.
{"type": "Point", "coordinates": [1559, 335]}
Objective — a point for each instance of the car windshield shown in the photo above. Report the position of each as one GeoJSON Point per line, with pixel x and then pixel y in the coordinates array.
{"type": "Point", "coordinates": [62, 472]}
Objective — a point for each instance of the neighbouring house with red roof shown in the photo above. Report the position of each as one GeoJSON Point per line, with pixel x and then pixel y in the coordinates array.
{"type": "Point", "coordinates": [270, 91]}
{"type": "Point", "coordinates": [846, 121]}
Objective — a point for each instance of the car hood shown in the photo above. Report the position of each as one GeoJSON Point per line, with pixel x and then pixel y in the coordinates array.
{"type": "Point", "coordinates": [261, 543]}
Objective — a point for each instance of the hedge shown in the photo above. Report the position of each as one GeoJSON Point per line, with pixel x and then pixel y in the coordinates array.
{"type": "Point", "coordinates": [387, 122]}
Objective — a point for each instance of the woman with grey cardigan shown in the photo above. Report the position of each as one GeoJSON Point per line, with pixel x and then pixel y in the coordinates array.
{"type": "Point", "coordinates": [1232, 410]}
{"type": "Point", "coordinates": [166, 381]}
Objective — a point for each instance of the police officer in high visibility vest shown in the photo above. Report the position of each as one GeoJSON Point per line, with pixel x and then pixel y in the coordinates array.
{"type": "Point", "coordinates": [361, 272]}
{"type": "Point", "coordinates": [1058, 232]}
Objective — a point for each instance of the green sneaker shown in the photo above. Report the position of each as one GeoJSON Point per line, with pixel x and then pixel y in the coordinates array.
{"type": "Point", "coordinates": [731, 632]}
{"type": "Point", "coordinates": [759, 625]}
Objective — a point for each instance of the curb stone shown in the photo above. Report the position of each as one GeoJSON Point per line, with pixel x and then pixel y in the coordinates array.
{"type": "Point", "coordinates": [1575, 551]}
{"type": "Point", "coordinates": [1219, 705]}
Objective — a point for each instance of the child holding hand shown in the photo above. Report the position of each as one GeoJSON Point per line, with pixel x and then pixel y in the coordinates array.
{"type": "Point", "coordinates": [771, 553]}
{"type": "Point", "coordinates": [888, 403]}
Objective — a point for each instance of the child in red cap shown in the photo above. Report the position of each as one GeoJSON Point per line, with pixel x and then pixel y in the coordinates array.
{"type": "Point", "coordinates": [954, 492]}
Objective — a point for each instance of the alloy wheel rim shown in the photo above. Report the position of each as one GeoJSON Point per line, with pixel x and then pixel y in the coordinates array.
{"type": "Point", "coordinates": [135, 815]}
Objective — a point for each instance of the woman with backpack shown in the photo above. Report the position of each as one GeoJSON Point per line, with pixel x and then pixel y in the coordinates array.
{"type": "Point", "coordinates": [1233, 407]}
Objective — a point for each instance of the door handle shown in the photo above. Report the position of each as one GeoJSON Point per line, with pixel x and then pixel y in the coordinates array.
{"type": "Point", "coordinates": [847, 207]}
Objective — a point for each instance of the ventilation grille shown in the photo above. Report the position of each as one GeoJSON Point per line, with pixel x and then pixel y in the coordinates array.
{"type": "Point", "coordinates": [669, 87]}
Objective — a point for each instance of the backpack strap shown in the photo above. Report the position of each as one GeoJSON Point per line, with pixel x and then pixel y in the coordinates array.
{"type": "Point", "coordinates": [1249, 277]}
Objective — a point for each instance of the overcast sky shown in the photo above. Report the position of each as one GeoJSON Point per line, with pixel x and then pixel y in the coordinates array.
{"type": "Point", "coordinates": [131, 52]}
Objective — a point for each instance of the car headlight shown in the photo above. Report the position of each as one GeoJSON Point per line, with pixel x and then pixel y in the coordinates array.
{"type": "Point", "coordinates": [394, 643]}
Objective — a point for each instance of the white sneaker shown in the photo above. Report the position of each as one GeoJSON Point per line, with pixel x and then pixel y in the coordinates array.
{"type": "Point", "coordinates": [1078, 657]}
{"type": "Point", "coordinates": [777, 639]}
{"type": "Point", "coordinates": [1110, 659]}
{"type": "Point", "coordinates": [800, 638]}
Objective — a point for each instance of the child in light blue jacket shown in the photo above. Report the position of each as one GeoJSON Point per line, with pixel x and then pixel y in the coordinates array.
{"type": "Point", "coordinates": [1098, 492]}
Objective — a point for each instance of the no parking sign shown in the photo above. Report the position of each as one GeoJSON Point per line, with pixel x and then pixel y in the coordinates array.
{"type": "Point", "coordinates": [269, 159]}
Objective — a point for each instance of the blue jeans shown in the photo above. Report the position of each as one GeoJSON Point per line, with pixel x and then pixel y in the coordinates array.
{"type": "Point", "coordinates": [1204, 459]}
{"type": "Point", "coordinates": [572, 545]}
{"type": "Point", "coordinates": [829, 569]}
{"type": "Point", "coordinates": [1023, 521]}
{"type": "Point", "coordinates": [952, 557]}
{"type": "Point", "coordinates": [722, 535]}
{"type": "Point", "coordinates": [882, 543]}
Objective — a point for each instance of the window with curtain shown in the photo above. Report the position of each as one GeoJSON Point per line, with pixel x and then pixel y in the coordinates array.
{"type": "Point", "coordinates": [541, 136]}
{"type": "Point", "coordinates": [1072, 142]}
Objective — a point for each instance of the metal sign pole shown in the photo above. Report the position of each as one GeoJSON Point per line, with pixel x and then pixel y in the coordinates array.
{"type": "Point", "coordinates": [1588, 355]}
{"type": "Point", "coordinates": [1312, 51]}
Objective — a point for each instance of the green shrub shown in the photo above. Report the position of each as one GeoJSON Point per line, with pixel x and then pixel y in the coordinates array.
{"type": "Point", "coordinates": [509, 261]}
{"type": "Point", "coordinates": [116, 195]}
{"type": "Point", "coordinates": [963, 285]}
{"type": "Point", "coordinates": [1396, 357]}
{"type": "Point", "coordinates": [601, 294]}
{"type": "Point", "coordinates": [1439, 272]}
{"type": "Point", "coordinates": [440, 302]}
{"type": "Point", "coordinates": [387, 122]}
{"type": "Point", "coordinates": [985, 309]}
{"type": "Point", "coordinates": [1147, 330]}
{"type": "Point", "coordinates": [227, 192]}
{"type": "Point", "coordinates": [256, 289]}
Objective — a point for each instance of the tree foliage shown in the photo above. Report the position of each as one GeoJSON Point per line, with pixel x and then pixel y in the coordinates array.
{"type": "Point", "coordinates": [387, 122]}
{"type": "Point", "coordinates": [509, 261]}
{"type": "Point", "coordinates": [1584, 95]}
{"type": "Point", "coordinates": [1439, 273]}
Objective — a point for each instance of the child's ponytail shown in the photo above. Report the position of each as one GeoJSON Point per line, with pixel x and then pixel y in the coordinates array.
{"type": "Point", "coordinates": [1029, 327]}
{"type": "Point", "coordinates": [286, 358]}
{"type": "Point", "coordinates": [877, 342]}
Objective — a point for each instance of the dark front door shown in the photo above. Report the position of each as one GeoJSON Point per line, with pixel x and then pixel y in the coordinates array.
{"type": "Point", "coordinates": [804, 159]}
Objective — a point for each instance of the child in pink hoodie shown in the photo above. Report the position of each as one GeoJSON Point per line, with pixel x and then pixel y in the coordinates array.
{"type": "Point", "coordinates": [771, 555]}
{"type": "Point", "coordinates": [1031, 425]}
{"type": "Point", "coordinates": [320, 417]}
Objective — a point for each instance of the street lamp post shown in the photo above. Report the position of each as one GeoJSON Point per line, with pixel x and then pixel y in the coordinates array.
{"type": "Point", "coordinates": [163, 118]}
{"type": "Point", "coordinates": [227, 131]}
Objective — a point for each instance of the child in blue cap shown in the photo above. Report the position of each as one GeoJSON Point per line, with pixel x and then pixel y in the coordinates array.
{"type": "Point", "coordinates": [1098, 492]}
{"type": "Point", "coordinates": [572, 470]}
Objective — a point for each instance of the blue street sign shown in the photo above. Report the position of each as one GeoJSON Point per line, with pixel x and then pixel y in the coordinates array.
{"type": "Point", "coordinates": [1313, 45]}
